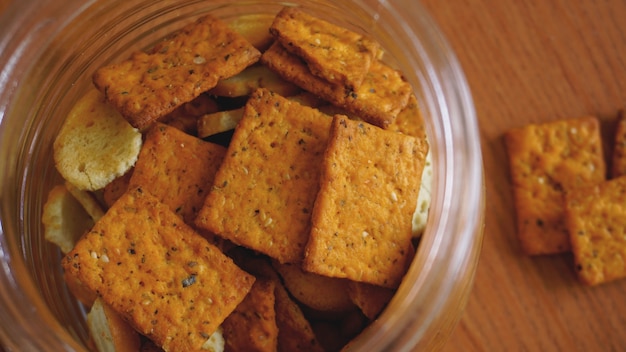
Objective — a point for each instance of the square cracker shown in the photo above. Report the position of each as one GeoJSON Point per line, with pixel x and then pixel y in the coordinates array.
{"type": "Point", "coordinates": [546, 161]}
{"type": "Point", "coordinates": [334, 53]}
{"type": "Point", "coordinates": [618, 167]}
{"type": "Point", "coordinates": [383, 94]}
{"type": "Point", "coordinates": [294, 330]}
{"type": "Point", "coordinates": [177, 168]}
{"type": "Point", "coordinates": [252, 326]}
{"type": "Point", "coordinates": [161, 276]}
{"type": "Point", "coordinates": [148, 86]}
{"type": "Point", "coordinates": [362, 219]}
{"type": "Point", "coordinates": [597, 227]}
{"type": "Point", "coordinates": [264, 191]}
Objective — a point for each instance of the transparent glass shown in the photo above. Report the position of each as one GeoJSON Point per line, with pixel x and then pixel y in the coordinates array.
{"type": "Point", "coordinates": [48, 51]}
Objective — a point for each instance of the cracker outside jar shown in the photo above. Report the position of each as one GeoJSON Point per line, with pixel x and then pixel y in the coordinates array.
{"type": "Point", "coordinates": [48, 51]}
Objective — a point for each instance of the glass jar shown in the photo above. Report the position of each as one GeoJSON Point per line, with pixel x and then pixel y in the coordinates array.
{"type": "Point", "coordinates": [50, 48]}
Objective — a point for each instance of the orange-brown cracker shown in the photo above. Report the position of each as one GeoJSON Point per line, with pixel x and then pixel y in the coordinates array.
{"type": "Point", "coordinates": [294, 330]}
{"type": "Point", "coordinates": [370, 299]}
{"type": "Point", "coordinates": [116, 188]}
{"type": "Point", "coordinates": [264, 191]}
{"type": "Point", "coordinates": [148, 86]}
{"type": "Point", "coordinates": [252, 326]}
{"type": "Point", "coordinates": [334, 53]}
{"type": "Point", "coordinates": [177, 168]}
{"type": "Point", "coordinates": [546, 161]}
{"type": "Point", "coordinates": [618, 167]}
{"type": "Point", "coordinates": [362, 219]}
{"type": "Point", "coordinates": [410, 120]}
{"type": "Point", "coordinates": [165, 279]}
{"type": "Point", "coordinates": [378, 100]}
{"type": "Point", "coordinates": [597, 227]}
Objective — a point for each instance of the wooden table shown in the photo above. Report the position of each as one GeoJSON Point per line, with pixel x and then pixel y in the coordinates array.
{"type": "Point", "coordinates": [532, 61]}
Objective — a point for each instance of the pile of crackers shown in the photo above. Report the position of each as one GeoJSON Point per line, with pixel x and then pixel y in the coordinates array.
{"type": "Point", "coordinates": [254, 191]}
{"type": "Point", "coordinates": [567, 198]}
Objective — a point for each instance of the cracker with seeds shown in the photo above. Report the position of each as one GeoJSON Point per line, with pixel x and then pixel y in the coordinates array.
{"type": "Point", "coordinates": [546, 161]}
{"type": "Point", "coordinates": [336, 54]}
{"type": "Point", "coordinates": [252, 326]}
{"type": "Point", "coordinates": [264, 191]}
{"type": "Point", "coordinates": [597, 227]}
{"type": "Point", "coordinates": [294, 330]}
{"type": "Point", "coordinates": [150, 85]}
{"type": "Point", "coordinates": [161, 276]}
{"type": "Point", "coordinates": [177, 168]}
{"type": "Point", "coordinates": [116, 188]}
{"type": "Point", "coordinates": [378, 100]}
{"type": "Point", "coordinates": [362, 219]}
{"type": "Point", "coordinates": [618, 167]}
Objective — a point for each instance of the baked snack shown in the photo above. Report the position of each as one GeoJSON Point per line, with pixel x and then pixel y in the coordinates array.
{"type": "Point", "coordinates": [264, 191]}
{"type": "Point", "coordinates": [167, 281]}
{"type": "Point", "coordinates": [362, 220]}
{"type": "Point", "coordinates": [333, 53]}
{"type": "Point", "coordinates": [546, 161]}
{"type": "Point", "coordinates": [148, 86]}
{"type": "Point", "coordinates": [597, 227]}
{"type": "Point", "coordinates": [178, 169]}
{"type": "Point", "coordinates": [95, 144]}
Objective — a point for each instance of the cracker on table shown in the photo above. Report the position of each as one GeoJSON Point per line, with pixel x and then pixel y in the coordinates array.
{"type": "Point", "coordinates": [177, 168]}
{"type": "Point", "coordinates": [618, 167]}
{"type": "Point", "coordinates": [95, 144]}
{"type": "Point", "coordinates": [161, 276]}
{"type": "Point", "coordinates": [597, 227]}
{"type": "Point", "coordinates": [546, 161]}
{"type": "Point", "coordinates": [336, 54]}
{"type": "Point", "coordinates": [148, 86]}
{"type": "Point", "coordinates": [264, 191]}
{"type": "Point", "coordinates": [378, 100]}
{"type": "Point", "coordinates": [362, 219]}
{"type": "Point", "coordinates": [252, 326]}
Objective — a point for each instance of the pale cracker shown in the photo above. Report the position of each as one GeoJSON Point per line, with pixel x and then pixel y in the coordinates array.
{"type": "Point", "coordinates": [95, 144]}
{"type": "Point", "coordinates": [64, 219]}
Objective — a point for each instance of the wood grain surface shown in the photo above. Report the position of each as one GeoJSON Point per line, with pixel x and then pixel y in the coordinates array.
{"type": "Point", "coordinates": [532, 61]}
